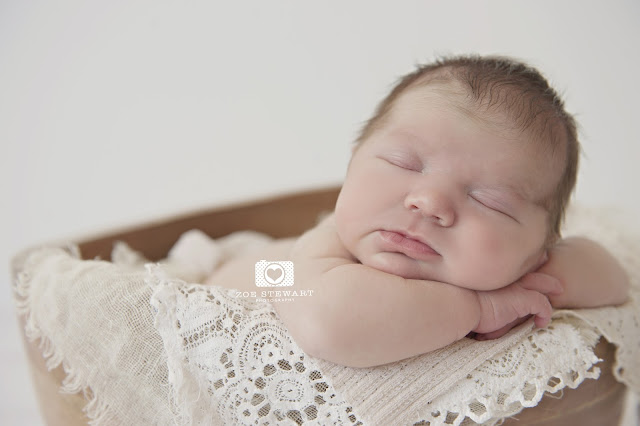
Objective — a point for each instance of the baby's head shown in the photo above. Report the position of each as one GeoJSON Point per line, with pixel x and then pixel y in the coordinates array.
{"type": "Point", "coordinates": [474, 156]}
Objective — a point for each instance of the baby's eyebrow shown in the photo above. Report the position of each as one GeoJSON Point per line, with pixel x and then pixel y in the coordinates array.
{"type": "Point", "coordinates": [511, 190]}
{"type": "Point", "coordinates": [516, 190]}
{"type": "Point", "coordinates": [524, 193]}
{"type": "Point", "coordinates": [407, 137]}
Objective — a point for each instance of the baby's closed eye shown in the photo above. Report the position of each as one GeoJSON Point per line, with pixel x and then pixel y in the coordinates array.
{"type": "Point", "coordinates": [403, 161]}
{"type": "Point", "coordinates": [494, 203]}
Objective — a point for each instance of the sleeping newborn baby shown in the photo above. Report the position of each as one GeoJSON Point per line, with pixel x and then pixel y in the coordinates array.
{"type": "Point", "coordinates": [447, 225]}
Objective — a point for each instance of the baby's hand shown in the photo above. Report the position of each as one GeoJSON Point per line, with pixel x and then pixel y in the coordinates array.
{"type": "Point", "coordinates": [504, 308]}
{"type": "Point", "coordinates": [590, 275]}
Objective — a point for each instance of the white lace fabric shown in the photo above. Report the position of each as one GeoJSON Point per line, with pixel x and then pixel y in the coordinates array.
{"type": "Point", "coordinates": [154, 349]}
{"type": "Point", "coordinates": [240, 356]}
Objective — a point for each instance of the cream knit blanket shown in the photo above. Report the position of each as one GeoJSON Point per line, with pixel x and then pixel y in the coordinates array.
{"type": "Point", "coordinates": [155, 350]}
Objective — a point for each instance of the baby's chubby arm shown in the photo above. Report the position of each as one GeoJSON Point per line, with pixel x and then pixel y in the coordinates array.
{"type": "Point", "coordinates": [361, 317]}
{"type": "Point", "coordinates": [590, 276]}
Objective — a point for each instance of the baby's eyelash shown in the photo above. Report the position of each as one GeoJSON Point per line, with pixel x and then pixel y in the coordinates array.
{"type": "Point", "coordinates": [403, 164]}
{"type": "Point", "coordinates": [484, 203]}
{"type": "Point", "coordinates": [490, 206]}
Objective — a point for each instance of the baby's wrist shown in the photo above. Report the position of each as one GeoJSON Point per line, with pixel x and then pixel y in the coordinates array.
{"type": "Point", "coordinates": [480, 297]}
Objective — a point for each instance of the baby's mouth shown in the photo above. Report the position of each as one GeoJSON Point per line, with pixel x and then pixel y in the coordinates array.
{"type": "Point", "coordinates": [411, 247]}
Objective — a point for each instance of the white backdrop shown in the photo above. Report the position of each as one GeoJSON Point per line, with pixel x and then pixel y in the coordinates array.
{"type": "Point", "coordinates": [113, 113]}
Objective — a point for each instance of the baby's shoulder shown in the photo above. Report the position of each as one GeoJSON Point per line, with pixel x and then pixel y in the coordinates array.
{"type": "Point", "coordinates": [321, 242]}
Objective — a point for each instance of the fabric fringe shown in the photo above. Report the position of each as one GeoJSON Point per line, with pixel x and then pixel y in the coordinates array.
{"type": "Point", "coordinates": [96, 409]}
{"type": "Point", "coordinates": [99, 412]}
{"type": "Point", "coordinates": [162, 299]}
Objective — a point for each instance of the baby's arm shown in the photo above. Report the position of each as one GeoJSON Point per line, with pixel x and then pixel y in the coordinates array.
{"type": "Point", "coordinates": [589, 274]}
{"type": "Point", "coordinates": [361, 317]}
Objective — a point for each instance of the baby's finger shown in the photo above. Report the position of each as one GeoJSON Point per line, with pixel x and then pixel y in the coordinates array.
{"type": "Point", "coordinates": [541, 321]}
{"type": "Point", "coordinates": [537, 304]}
{"type": "Point", "coordinates": [540, 308]}
{"type": "Point", "coordinates": [542, 283]}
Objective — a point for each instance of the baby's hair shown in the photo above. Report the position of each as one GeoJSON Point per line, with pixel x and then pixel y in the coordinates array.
{"type": "Point", "coordinates": [496, 87]}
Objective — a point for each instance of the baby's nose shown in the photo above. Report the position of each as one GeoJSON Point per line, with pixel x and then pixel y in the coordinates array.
{"type": "Point", "coordinates": [433, 205]}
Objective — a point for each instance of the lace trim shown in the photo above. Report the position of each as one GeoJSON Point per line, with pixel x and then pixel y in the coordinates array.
{"type": "Point", "coordinates": [496, 389]}
{"type": "Point", "coordinates": [236, 352]}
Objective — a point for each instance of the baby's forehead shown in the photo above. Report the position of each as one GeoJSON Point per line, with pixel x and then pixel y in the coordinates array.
{"type": "Point", "coordinates": [536, 128]}
{"type": "Point", "coordinates": [540, 162]}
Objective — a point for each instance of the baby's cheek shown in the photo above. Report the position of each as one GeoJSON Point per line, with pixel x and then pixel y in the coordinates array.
{"type": "Point", "coordinates": [345, 206]}
{"type": "Point", "coordinates": [485, 242]}
{"type": "Point", "coordinates": [347, 217]}
{"type": "Point", "coordinates": [489, 260]}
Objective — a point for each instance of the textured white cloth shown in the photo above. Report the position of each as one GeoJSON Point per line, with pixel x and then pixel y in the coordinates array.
{"type": "Point", "coordinates": [94, 317]}
{"type": "Point", "coordinates": [198, 355]}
